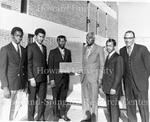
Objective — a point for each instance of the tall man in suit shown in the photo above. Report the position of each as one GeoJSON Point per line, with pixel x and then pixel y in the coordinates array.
{"type": "Point", "coordinates": [93, 64]}
{"type": "Point", "coordinates": [59, 81]}
{"type": "Point", "coordinates": [13, 74]}
{"type": "Point", "coordinates": [137, 69]}
{"type": "Point", "coordinates": [111, 82]}
{"type": "Point", "coordinates": [37, 64]}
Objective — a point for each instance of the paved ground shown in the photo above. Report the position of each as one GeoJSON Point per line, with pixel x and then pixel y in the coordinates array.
{"type": "Point", "coordinates": [74, 112]}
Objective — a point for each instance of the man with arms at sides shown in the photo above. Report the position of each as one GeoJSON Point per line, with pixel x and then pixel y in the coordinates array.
{"type": "Point", "coordinates": [111, 82]}
{"type": "Point", "coordinates": [37, 64]}
{"type": "Point", "coordinates": [59, 81]}
{"type": "Point", "coordinates": [137, 69]}
{"type": "Point", "coordinates": [13, 74]}
{"type": "Point", "coordinates": [93, 65]}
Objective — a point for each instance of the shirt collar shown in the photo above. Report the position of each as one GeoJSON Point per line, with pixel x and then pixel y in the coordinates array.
{"type": "Point", "coordinates": [38, 44]}
{"type": "Point", "coordinates": [132, 46]}
{"type": "Point", "coordinates": [61, 49]}
{"type": "Point", "coordinates": [90, 47]}
{"type": "Point", "coordinates": [110, 54]}
{"type": "Point", "coordinates": [15, 45]}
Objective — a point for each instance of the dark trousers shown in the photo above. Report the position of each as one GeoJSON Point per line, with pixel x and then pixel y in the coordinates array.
{"type": "Point", "coordinates": [59, 97]}
{"type": "Point", "coordinates": [113, 107]}
{"type": "Point", "coordinates": [133, 95]}
{"type": "Point", "coordinates": [40, 91]}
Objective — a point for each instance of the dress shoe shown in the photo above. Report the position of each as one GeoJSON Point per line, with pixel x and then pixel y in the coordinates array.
{"type": "Point", "coordinates": [65, 118]}
{"type": "Point", "coordinates": [86, 120]}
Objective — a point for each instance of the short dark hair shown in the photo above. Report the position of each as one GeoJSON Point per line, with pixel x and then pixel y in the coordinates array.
{"type": "Point", "coordinates": [61, 37]}
{"type": "Point", "coordinates": [16, 29]}
{"type": "Point", "coordinates": [40, 30]}
{"type": "Point", "coordinates": [112, 40]}
{"type": "Point", "coordinates": [129, 31]}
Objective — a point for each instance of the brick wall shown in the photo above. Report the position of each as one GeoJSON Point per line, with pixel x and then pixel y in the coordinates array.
{"type": "Point", "coordinates": [112, 27]}
{"type": "Point", "coordinates": [69, 13]}
{"type": "Point", "coordinates": [102, 23]}
{"type": "Point", "coordinates": [75, 47]}
{"type": "Point", "coordinates": [6, 38]}
{"type": "Point", "coordinates": [92, 17]}
{"type": "Point", "coordinates": [11, 4]}
{"type": "Point", "coordinates": [113, 5]}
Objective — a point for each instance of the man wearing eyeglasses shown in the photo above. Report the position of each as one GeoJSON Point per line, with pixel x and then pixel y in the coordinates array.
{"type": "Point", "coordinates": [137, 70]}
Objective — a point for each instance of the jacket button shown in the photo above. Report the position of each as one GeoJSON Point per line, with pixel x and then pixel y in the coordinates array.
{"type": "Point", "coordinates": [18, 74]}
{"type": "Point", "coordinates": [23, 73]}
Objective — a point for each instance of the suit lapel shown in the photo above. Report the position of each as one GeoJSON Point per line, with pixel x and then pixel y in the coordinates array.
{"type": "Point", "coordinates": [93, 49]}
{"type": "Point", "coordinates": [59, 53]}
{"type": "Point", "coordinates": [14, 53]}
{"type": "Point", "coordinates": [112, 57]}
{"type": "Point", "coordinates": [84, 52]}
{"type": "Point", "coordinates": [38, 49]}
{"type": "Point", "coordinates": [22, 54]}
{"type": "Point", "coordinates": [65, 57]}
{"type": "Point", "coordinates": [134, 50]}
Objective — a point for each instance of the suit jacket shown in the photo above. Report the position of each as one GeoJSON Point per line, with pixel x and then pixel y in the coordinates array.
{"type": "Point", "coordinates": [93, 67]}
{"type": "Point", "coordinates": [37, 64]}
{"type": "Point", "coordinates": [54, 59]}
{"type": "Point", "coordinates": [13, 69]}
{"type": "Point", "coordinates": [113, 73]}
{"type": "Point", "coordinates": [140, 66]}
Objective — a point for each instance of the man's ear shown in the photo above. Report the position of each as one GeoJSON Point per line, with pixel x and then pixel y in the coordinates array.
{"type": "Point", "coordinates": [12, 36]}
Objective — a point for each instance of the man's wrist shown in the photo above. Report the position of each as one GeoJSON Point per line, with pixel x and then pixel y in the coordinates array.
{"type": "Point", "coordinates": [31, 79]}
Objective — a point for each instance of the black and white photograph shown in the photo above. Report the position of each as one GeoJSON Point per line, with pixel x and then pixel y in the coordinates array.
{"type": "Point", "coordinates": [74, 60]}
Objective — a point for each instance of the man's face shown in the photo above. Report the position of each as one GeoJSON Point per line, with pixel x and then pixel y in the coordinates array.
{"type": "Point", "coordinates": [40, 38]}
{"type": "Point", "coordinates": [129, 39]}
{"type": "Point", "coordinates": [110, 47]}
{"type": "Point", "coordinates": [17, 37]}
{"type": "Point", "coordinates": [62, 43]}
{"type": "Point", "coordinates": [90, 40]}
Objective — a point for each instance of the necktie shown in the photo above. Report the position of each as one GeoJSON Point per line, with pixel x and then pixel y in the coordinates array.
{"type": "Point", "coordinates": [129, 50]}
{"type": "Point", "coordinates": [88, 52]}
{"type": "Point", "coordinates": [41, 48]}
{"type": "Point", "coordinates": [18, 50]}
{"type": "Point", "coordinates": [63, 53]}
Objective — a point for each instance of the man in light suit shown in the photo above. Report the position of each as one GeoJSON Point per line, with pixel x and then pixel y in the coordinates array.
{"type": "Point", "coordinates": [93, 64]}
{"type": "Point", "coordinates": [111, 82]}
{"type": "Point", "coordinates": [37, 64]}
{"type": "Point", "coordinates": [137, 70]}
{"type": "Point", "coordinates": [13, 74]}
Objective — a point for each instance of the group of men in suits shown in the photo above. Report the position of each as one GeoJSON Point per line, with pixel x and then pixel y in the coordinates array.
{"type": "Point", "coordinates": [20, 71]}
{"type": "Point", "coordinates": [132, 66]}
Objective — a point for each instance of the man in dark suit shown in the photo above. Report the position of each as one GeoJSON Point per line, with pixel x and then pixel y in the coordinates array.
{"type": "Point", "coordinates": [111, 82]}
{"type": "Point", "coordinates": [13, 74]}
{"type": "Point", "coordinates": [59, 81]}
{"type": "Point", "coordinates": [137, 69]}
{"type": "Point", "coordinates": [37, 64]}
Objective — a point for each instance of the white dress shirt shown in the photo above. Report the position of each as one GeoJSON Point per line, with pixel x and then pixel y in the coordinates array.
{"type": "Point", "coordinates": [15, 46]}
{"type": "Point", "coordinates": [110, 54]}
{"type": "Point", "coordinates": [88, 50]}
{"type": "Point", "coordinates": [130, 49]}
{"type": "Point", "coordinates": [39, 45]}
{"type": "Point", "coordinates": [62, 51]}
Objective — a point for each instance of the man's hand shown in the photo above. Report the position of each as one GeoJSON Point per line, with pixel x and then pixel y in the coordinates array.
{"type": "Point", "coordinates": [33, 82]}
{"type": "Point", "coordinates": [52, 83]}
{"type": "Point", "coordinates": [7, 93]}
{"type": "Point", "coordinates": [112, 91]}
